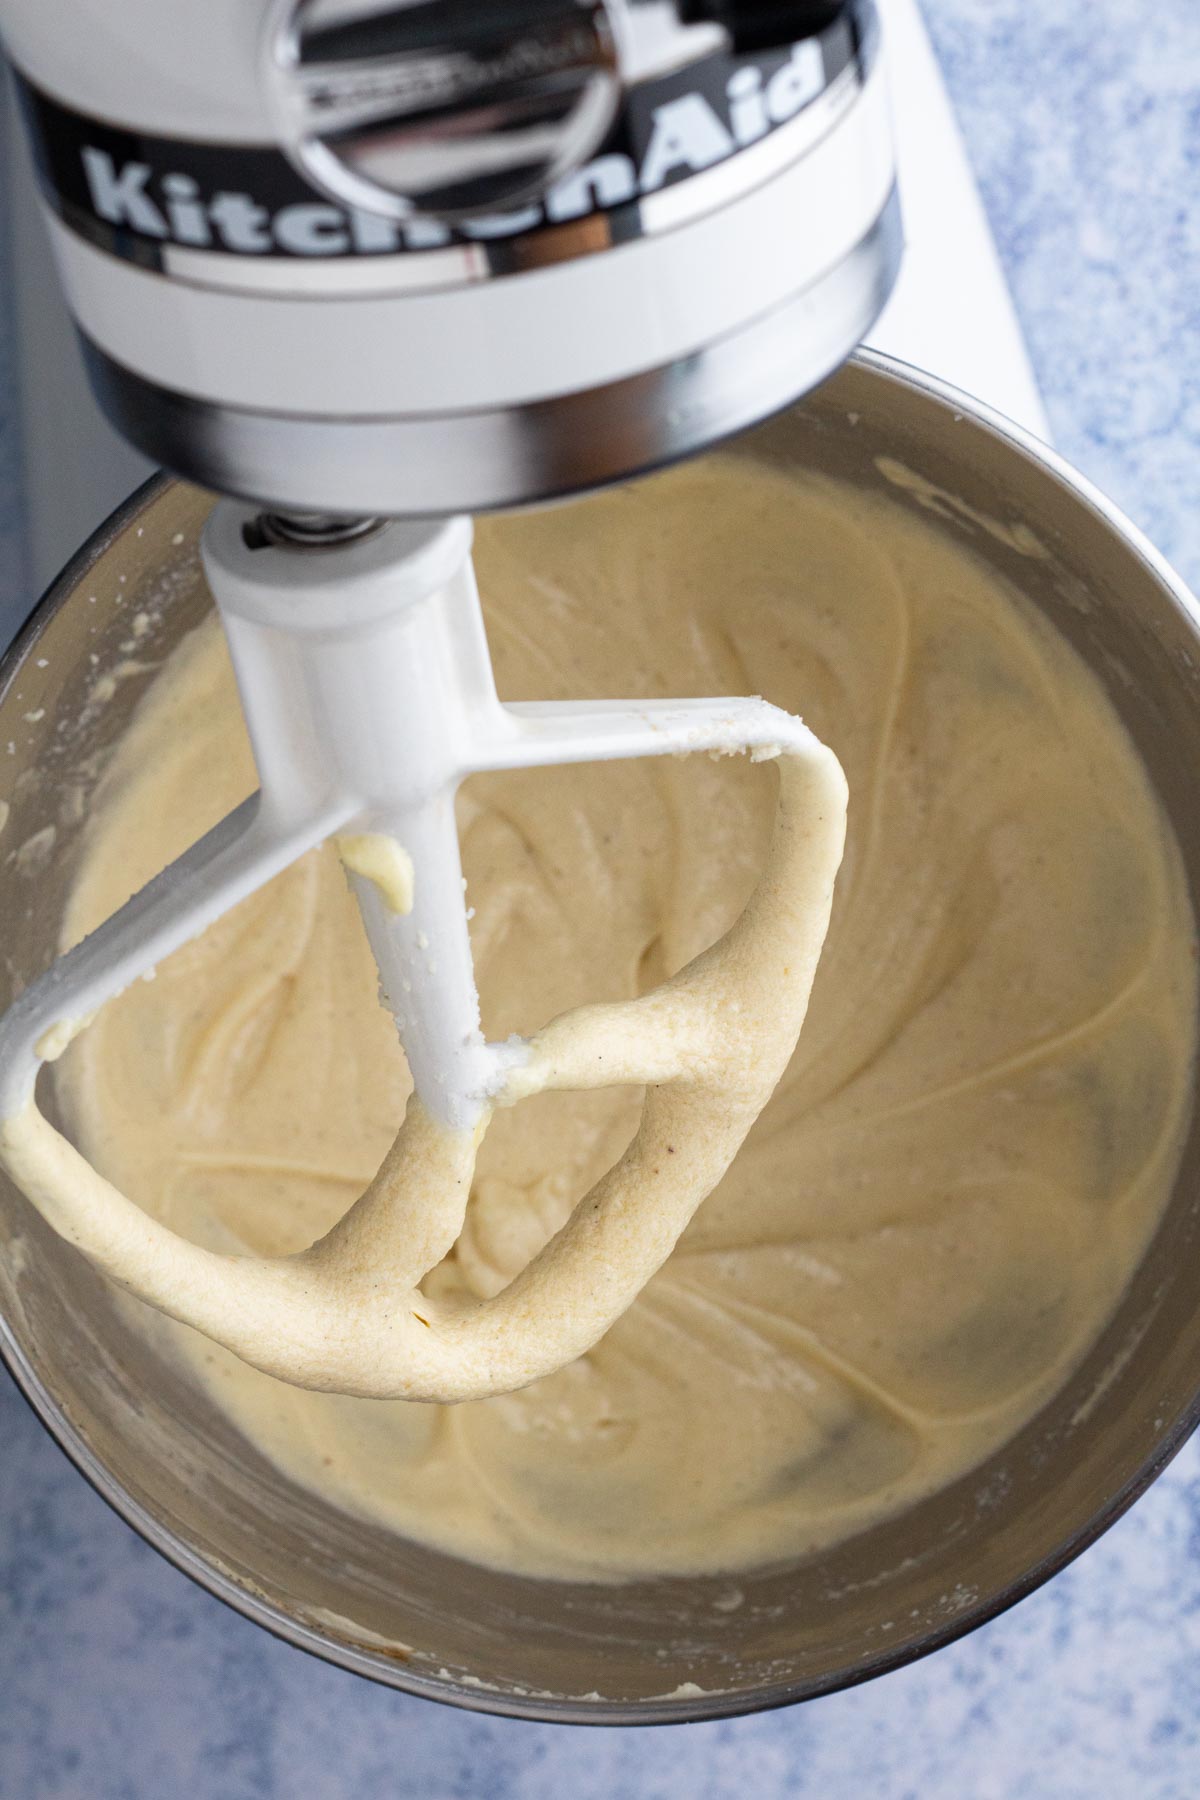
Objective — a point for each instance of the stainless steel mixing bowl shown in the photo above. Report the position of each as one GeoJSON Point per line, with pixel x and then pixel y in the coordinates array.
{"type": "Point", "coordinates": [184, 1478]}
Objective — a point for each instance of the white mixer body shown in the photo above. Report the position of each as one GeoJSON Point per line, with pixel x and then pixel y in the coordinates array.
{"type": "Point", "coordinates": [251, 321]}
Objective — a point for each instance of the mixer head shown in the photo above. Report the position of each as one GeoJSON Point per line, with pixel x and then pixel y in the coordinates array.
{"type": "Point", "coordinates": [415, 257]}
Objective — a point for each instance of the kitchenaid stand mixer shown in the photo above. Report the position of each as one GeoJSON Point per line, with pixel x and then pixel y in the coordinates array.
{"type": "Point", "coordinates": [389, 265]}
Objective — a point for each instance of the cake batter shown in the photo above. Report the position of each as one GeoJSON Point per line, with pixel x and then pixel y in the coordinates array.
{"type": "Point", "coordinates": [943, 1202]}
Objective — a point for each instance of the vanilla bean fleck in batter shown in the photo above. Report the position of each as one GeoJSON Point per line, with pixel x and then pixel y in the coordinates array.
{"type": "Point", "coordinates": [941, 1206]}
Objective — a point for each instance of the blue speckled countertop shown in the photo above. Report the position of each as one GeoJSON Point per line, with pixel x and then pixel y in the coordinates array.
{"type": "Point", "coordinates": [120, 1681]}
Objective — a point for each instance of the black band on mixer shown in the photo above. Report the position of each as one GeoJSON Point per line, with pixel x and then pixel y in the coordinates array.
{"type": "Point", "coordinates": [164, 202]}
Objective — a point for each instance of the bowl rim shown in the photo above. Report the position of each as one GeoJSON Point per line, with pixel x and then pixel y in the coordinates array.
{"type": "Point", "coordinates": [695, 1708]}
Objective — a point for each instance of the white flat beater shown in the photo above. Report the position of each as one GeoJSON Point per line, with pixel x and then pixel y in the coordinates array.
{"type": "Point", "coordinates": [364, 674]}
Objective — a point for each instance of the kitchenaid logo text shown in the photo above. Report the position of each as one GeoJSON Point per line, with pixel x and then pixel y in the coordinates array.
{"type": "Point", "coordinates": [686, 135]}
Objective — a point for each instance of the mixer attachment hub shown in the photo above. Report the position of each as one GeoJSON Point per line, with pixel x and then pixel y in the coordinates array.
{"type": "Point", "coordinates": [308, 531]}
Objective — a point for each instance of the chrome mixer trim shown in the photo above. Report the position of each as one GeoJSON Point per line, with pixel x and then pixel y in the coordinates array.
{"type": "Point", "coordinates": [312, 531]}
{"type": "Point", "coordinates": [481, 461]}
{"type": "Point", "coordinates": [397, 108]}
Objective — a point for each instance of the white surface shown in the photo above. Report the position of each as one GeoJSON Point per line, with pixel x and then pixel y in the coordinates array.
{"type": "Point", "coordinates": [951, 311]}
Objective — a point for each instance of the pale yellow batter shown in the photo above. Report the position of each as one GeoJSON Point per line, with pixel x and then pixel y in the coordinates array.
{"type": "Point", "coordinates": [944, 1200]}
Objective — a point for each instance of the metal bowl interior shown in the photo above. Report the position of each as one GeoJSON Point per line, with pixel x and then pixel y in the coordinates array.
{"type": "Point", "coordinates": [442, 1628]}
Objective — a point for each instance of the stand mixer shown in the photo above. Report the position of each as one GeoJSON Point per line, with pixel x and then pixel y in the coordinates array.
{"type": "Point", "coordinates": [364, 270]}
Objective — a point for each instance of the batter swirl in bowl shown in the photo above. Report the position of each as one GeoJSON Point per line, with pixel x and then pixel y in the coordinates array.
{"type": "Point", "coordinates": [939, 1209]}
